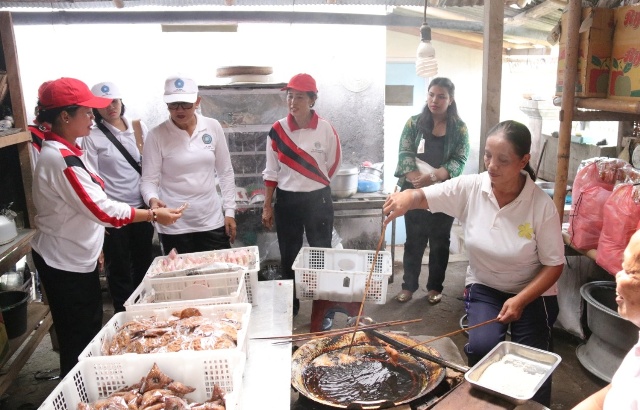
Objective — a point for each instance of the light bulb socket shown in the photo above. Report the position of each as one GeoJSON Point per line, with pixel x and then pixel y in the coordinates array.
{"type": "Point", "coordinates": [425, 32]}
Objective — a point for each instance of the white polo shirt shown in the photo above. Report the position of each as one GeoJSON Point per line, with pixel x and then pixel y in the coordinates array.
{"type": "Point", "coordinates": [624, 393]}
{"type": "Point", "coordinates": [506, 247]}
{"type": "Point", "coordinates": [121, 181]}
{"type": "Point", "coordinates": [181, 168]}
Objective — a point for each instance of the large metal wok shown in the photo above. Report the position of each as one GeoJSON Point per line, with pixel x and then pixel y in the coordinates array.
{"type": "Point", "coordinates": [369, 381]}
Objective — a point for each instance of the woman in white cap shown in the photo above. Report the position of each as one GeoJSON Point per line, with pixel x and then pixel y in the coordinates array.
{"type": "Point", "coordinates": [183, 156]}
{"type": "Point", "coordinates": [72, 210]}
{"type": "Point", "coordinates": [114, 150]}
{"type": "Point", "coordinates": [303, 154]}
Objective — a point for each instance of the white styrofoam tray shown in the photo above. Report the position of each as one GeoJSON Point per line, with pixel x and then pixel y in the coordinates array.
{"type": "Point", "coordinates": [340, 275]}
{"type": "Point", "coordinates": [214, 312]}
{"type": "Point", "coordinates": [99, 377]}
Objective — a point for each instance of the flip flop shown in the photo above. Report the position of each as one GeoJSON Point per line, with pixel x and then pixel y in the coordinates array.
{"type": "Point", "coordinates": [404, 296]}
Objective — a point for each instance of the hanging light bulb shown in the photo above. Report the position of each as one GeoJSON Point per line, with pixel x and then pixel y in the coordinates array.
{"type": "Point", "coordinates": [426, 64]}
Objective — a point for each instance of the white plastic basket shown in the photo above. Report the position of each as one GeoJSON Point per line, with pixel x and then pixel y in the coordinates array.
{"type": "Point", "coordinates": [99, 377]}
{"type": "Point", "coordinates": [340, 275]}
{"type": "Point", "coordinates": [251, 271]}
{"type": "Point", "coordinates": [94, 348]}
{"type": "Point", "coordinates": [183, 291]}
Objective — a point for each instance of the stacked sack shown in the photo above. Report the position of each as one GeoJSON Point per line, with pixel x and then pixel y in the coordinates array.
{"type": "Point", "coordinates": [605, 209]}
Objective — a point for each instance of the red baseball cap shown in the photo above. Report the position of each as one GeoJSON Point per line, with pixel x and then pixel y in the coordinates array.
{"type": "Point", "coordinates": [301, 82]}
{"type": "Point", "coordinates": [65, 91]}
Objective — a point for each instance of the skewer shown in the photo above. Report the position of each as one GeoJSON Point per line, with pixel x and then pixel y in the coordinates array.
{"type": "Point", "coordinates": [343, 330]}
{"type": "Point", "coordinates": [367, 284]}
{"type": "Point", "coordinates": [449, 334]}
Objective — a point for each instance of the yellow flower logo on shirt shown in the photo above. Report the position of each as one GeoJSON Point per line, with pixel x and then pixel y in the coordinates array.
{"type": "Point", "coordinates": [525, 231]}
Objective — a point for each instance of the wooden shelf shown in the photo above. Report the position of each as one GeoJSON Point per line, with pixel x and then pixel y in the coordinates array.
{"type": "Point", "coordinates": [11, 252]}
{"type": "Point", "coordinates": [12, 139]}
{"type": "Point", "coordinates": [38, 323]}
{"type": "Point", "coordinates": [590, 253]}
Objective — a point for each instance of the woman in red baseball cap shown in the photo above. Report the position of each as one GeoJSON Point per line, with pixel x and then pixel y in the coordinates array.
{"type": "Point", "coordinates": [72, 211]}
{"type": "Point", "coordinates": [303, 154]}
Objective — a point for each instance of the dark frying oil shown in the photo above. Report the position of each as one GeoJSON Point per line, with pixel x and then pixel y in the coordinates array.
{"type": "Point", "coordinates": [367, 379]}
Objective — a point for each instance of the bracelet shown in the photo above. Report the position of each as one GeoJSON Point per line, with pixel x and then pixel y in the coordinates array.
{"type": "Point", "coordinates": [149, 215]}
{"type": "Point", "coordinates": [155, 216]}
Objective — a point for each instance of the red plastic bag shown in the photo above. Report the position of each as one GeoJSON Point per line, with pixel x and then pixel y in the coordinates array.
{"type": "Point", "coordinates": [585, 220]}
{"type": "Point", "coordinates": [621, 216]}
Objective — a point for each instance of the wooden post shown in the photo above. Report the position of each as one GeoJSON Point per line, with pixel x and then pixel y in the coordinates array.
{"type": "Point", "coordinates": [568, 103]}
{"type": "Point", "coordinates": [491, 70]}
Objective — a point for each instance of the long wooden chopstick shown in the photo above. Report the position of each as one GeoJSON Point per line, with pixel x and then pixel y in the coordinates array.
{"type": "Point", "coordinates": [449, 334]}
{"type": "Point", "coordinates": [303, 336]}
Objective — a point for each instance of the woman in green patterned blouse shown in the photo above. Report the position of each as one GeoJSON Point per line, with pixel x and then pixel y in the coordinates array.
{"type": "Point", "coordinates": [434, 147]}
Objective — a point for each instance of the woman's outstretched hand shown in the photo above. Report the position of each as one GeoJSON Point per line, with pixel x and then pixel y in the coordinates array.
{"type": "Point", "coordinates": [166, 216]}
{"type": "Point", "coordinates": [397, 204]}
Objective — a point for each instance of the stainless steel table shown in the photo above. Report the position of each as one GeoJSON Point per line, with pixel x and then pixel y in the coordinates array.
{"type": "Point", "coordinates": [267, 375]}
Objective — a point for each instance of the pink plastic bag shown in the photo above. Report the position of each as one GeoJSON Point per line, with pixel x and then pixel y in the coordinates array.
{"type": "Point", "coordinates": [585, 220]}
{"type": "Point", "coordinates": [621, 216]}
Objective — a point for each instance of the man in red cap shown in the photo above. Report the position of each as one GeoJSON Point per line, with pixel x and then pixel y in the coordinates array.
{"type": "Point", "coordinates": [303, 154]}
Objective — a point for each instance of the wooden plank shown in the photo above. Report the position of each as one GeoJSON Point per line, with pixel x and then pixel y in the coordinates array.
{"type": "Point", "coordinates": [463, 396]}
{"type": "Point", "coordinates": [579, 115]}
{"type": "Point", "coordinates": [16, 249]}
{"type": "Point", "coordinates": [40, 320]}
{"type": "Point", "coordinates": [13, 70]}
{"type": "Point", "coordinates": [12, 139]}
{"type": "Point", "coordinates": [604, 104]}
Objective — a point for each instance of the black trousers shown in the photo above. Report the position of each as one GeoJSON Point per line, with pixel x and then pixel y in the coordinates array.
{"type": "Point", "coordinates": [297, 213]}
{"type": "Point", "coordinates": [196, 241]}
{"type": "Point", "coordinates": [75, 300]}
{"type": "Point", "coordinates": [128, 252]}
{"type": "Point", "coordinates": [426, 228]}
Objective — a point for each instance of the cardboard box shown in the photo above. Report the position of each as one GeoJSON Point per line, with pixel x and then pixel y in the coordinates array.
{"type": "Point", "coordinates": [624, 82]}
{"type": "Point", "coordinates": [594, 59]}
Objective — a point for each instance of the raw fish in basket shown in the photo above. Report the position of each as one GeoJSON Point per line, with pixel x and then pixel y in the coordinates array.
{"type": "Point", "coordinates": [202, 262]}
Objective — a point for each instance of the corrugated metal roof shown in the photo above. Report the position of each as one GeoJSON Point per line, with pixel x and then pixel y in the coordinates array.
{"type": "Point", "coordinates": [530, 23]}
{"type": "Point", "coordinates": [93, 4]}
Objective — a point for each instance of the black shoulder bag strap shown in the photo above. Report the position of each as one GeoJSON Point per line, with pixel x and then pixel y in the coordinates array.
{"type": "Point", "coordinates": [120, 147]}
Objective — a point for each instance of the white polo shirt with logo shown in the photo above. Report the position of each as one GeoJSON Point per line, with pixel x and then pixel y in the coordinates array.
{"type": "Point", "coordinates": [506, 246]}
{"type": "Point", "coordinates": [181, 168]}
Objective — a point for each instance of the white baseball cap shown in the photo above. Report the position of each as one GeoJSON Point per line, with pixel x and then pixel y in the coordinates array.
{"type": "Point", "coordinates": [180, 88]}
{"type": "Point", "coordinates": [106, 89]}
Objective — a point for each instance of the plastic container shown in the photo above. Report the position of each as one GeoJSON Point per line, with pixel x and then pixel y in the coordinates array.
{"type": "Point", "coordinates": [99, 377]}
{"type": "Point", "coordinates": [13, 305]}
{"type": "Point", "coordinates": [251, 271]}
{"type": "Point", "coordinates": [182, 291]}
{"type": "Point", "coordinates": [340, 275]}
{"type": "Point", "coordinates": [94, 348]}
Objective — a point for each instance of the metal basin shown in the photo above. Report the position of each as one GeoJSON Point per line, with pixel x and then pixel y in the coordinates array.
{"type": "Point", "coordinates": [612, 336]}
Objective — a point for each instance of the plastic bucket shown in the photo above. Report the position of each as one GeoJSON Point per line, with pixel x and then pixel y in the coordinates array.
{"type": "Point", "coordinates": [13, 305]}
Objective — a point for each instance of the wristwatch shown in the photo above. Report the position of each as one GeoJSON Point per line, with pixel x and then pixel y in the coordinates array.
{"type": "Point", "coordinates": [432, 177]}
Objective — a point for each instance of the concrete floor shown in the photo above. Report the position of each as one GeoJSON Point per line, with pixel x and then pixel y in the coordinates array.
{"type": "Point", "coordinates": [571, 382]}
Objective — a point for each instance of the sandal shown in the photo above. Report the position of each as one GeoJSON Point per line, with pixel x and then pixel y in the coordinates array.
{"type": "Point", "coordinates": [404, 296]}
{"type": "Point", "coordinates": [434, 298]}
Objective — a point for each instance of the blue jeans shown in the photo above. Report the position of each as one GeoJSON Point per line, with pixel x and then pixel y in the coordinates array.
{"type": "Point", "coordinates": [533, 329]}
{"type": "Point", "coordinates": [426, 228]}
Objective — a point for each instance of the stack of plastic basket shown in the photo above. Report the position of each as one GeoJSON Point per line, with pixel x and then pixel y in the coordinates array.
{"type": "Point", "coordinates": [208, 283]}
{"type": "Point", "coordinates": [97, 375]}
{"type": "Point", "coordinates": [340, 275]}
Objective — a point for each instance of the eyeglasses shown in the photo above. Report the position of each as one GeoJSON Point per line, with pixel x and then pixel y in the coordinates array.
{"type": "Point", "coordinates": [183, 105]}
